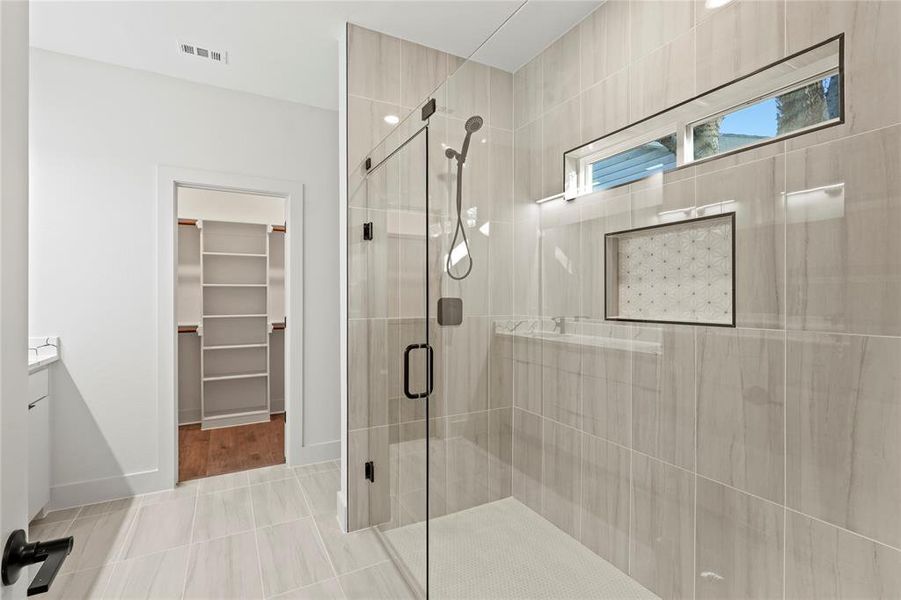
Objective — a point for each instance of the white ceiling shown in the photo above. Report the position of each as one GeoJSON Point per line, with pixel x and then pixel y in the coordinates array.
{"type": "Point", "coordinates": [288, 50]}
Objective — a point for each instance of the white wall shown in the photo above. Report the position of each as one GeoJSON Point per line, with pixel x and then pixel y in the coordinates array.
{"type": "Point", "coordinates": [13, 273]}
{"type": "Point", "coordinates": [98, 134]}
{"type": "Point", "coordinates": [217, 205]}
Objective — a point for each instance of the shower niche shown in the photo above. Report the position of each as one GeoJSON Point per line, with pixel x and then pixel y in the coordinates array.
{"type": "Point", "coordinates": [681, 272]}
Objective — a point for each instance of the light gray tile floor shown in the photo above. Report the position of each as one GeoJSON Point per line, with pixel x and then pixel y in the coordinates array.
{"type": "Point", "coordinates": [271, 534]}
{"type": "Point", "coordinates": [243, 535]}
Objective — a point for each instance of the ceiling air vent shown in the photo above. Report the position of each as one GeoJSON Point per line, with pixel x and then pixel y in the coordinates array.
{"type": "Point", "coordinates": [204, 53]}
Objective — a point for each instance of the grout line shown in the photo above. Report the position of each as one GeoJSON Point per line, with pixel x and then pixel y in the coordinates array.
{"type": "Point", "coordinates": [256, 542]}
{"type": "Point", "coordinates": [184, 585]}
{"type": "Point", "coordinates": [694, 481]}
{"type": "Point", "coordinates": [328, 555]}
{"type": "Point", "coordinates": [784, 366]}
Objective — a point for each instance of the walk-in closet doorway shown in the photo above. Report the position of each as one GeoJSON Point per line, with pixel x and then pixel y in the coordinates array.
{"type": "Point", "coordinates": [236, 352]}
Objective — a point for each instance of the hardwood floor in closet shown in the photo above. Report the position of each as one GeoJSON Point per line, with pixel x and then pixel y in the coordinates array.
{"type": "Point", "coordinates": [230, 449]}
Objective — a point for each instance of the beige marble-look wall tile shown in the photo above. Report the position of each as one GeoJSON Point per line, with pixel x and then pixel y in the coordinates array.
{"type": "Point", "coordinates": [466, 364]}
{"type": "Point", "coordinates": [604, 38]}
{"type": "Point", "coordinates": [468, 449]}
{"type": "Point", "coordinates": [843, 256]}
{"type": "Point", "coordinates": [408, 485]}
{"type": "Point", "coordinates": [527, 374]}
{"type": "Point", "coordinates": [366, 126]}
{"type": "Point", "coordinates": [407, 276]}
{"type": "Point", "coordinates": [872, 52]}
{"type": "Point", "coordinates": [605, 106]}
{"type": "Point", "coordinates": [663, 200]}
{"type": "Point", "coordinates": [739, 39]}
{"type": "Point", "coordinates": [561, 394]}
{"type": "Point", "coordinates": [528, 433]}
{"type": "Point", "coordinates": [561, 259]}
{"type": "Point", "coordinates": [368, 502]}
{"type": "Point", "coordinates": [367, 265]}
{"type": "Point", "coordinates": [422, 70]}
{"type": "Point", "coordinates": [560, 70]}
{"type": "Point", "coordinates": [663, 393]}
{"type": "Point", "coordinates": [501, 165]}
{"type": "Point", "coordinates": [468, 89]}
{"type": "Point", "coordinates": [561, 484]}
{"type": "Point", "coordinates": [607, 383]}
{"type": "Point", "coordinates": [560, 132]}
{"type": "Point", "coordinates": [527, 264]}
{"type": "Point", "coordinates": [827, 563]}
{"type": "Point", "coordinates": [603, 212]}
{"type": "Point", "coordinates": [373, 65]}
{"type": "Point", "coordinates": [662, 78]}
{"type": "Point", "coordinates": [741, 403]}
{"type": "Point", "coordinates": [661, 547]}
{"type": "Point", "coordinates": [844, 431]}
{"type": "Point", "coordinates": [605, 500]}
{"type": "Point", "coordinates": [754, 191]}
{"type": "Point", "coordinates": [367, 371]}
{"type": "Point", "coordinates": [500, 279]}
{"type": "Point", "coordinates": [527, 157]}
{"type": "Point", "coordinates": [501, 92]}
{"type": "Point", "coordinates": [527, 93]}
{"type": "Point", "coordinates": [500, 391]}
{"type": "Point", "coordinates": [653, 23]}
{"type": "Point", "coordinates": [500, 457]}
{"type": "Point", "coordinates": [739, 545]}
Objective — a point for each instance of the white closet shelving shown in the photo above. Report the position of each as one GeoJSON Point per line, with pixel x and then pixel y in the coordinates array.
{"type": "Point", "coordinates": [240, 282]}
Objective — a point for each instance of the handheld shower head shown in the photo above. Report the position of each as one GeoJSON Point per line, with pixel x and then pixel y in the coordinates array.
{"type": "Point", "coordinates": [473, 124]}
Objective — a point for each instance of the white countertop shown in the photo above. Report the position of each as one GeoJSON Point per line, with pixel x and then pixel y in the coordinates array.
{"type": "Point", "coordinates": [42, 351]}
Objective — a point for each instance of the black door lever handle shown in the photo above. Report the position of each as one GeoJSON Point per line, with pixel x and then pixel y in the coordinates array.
{"type": "Point", "coordinates": [19, 553]}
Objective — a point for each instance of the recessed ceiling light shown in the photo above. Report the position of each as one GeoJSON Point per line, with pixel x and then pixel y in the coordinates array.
{"type": "Point", "coordinates": [392, 119]}
{"type": "Point", "coordinates": [716, 3]}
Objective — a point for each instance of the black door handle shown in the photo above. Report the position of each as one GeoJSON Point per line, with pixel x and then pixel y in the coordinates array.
{"type": "Point", "coordinates": [431, 379]}
{"type": "Point", "coordinates": [19, 553]}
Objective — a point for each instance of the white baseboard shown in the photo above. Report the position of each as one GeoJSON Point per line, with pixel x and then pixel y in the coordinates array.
{"type": "Point", "coordinates": [342, 510]}
{"type": "Point", "coordinates": [79, 493]}
{"type": "Point", "coordinates": [318, 453]}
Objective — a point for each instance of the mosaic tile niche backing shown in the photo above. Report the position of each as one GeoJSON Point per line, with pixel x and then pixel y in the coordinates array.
{"type": "Point", "coordinates": [679, 272]}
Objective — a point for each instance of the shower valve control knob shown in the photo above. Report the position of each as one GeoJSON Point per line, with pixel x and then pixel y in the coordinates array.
{"type": "Point", "coordinates": [20, 553]}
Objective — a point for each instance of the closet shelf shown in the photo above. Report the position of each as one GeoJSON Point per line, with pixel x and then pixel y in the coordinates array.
{"type": "Point", "coordinates": [243, 254]}
{"type": "Point", "coordinates": [234, 346]}
{"type": "Point", "coordinates": [250, 316]}
{"type": "Point", "coordinates": [235, 285]}
{"type": "Point", "coordinates": [241, 376]}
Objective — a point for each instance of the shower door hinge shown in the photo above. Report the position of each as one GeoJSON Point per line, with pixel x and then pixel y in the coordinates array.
{"type": "Point", "coordinates": [367, 231]}
{"type": "Point", "coordinates": [429, 109]}
{"type": "Point", "coordinates": [369, 471]}
{"type": "Point", "coordinates": [368, 164]}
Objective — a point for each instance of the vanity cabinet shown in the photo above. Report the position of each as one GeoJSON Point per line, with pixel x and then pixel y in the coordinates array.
{"type": "Point", "coordinates": [38, 441]}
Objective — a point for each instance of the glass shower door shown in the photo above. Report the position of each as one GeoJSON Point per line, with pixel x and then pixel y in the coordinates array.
{"type": "Point", "coordinates": [397, 199]}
